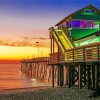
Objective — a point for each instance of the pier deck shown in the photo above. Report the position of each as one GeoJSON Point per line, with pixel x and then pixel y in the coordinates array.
{"type": "Point", "coordinates": [79, 66]}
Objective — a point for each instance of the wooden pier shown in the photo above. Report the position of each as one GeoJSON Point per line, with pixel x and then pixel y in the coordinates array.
{"type": "Point", "coordinates": [71, 65]}
{"type": "Point", "coordinates": [40, 69]}
{"type": "Point", "coordinates": [37, 68]}
{"type": "Point", "coordinates": [82, 66]}
{"type": "Point", "coordinates": [79, 66]}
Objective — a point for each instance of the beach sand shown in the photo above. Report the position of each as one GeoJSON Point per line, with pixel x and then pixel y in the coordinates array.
{"type": "Point", "coordinates": [47, 93]}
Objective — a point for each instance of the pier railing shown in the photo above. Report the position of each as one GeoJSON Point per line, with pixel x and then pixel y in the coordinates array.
{"type": "Point", "coordinates": [79, 54]}
{"type": "Point", "coordinates": [56, 58]}
{"type": "Point", "coordinates": [37, 68]}
{"type": "Point", "coordinates": [39, 59]}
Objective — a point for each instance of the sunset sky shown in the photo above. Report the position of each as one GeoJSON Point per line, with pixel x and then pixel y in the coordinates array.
{"type": "Point", "coordinates": [25, 22]}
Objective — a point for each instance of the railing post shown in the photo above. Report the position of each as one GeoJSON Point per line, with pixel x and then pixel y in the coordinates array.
{"type": "Point", "coordinates": [84, 54]}
{"type": "Point", "coordinates": [73, 54]}
{"type": "Point", "coordinates": [98, 52]}
{"type": "Point", "coordinates": [58, 56]}
{"type": "Point", "coordinates": [65, 56]}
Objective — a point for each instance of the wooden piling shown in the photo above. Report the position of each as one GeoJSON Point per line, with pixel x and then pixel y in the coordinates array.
{"type": "Point", "coordinates": [58, 78]}
{"type": "Point", "coordinates": [72, 75]}
{"type": "Point", "coordinates": [52, 75]}
{"type": "Point", "coordinates": [93, 76]}
{"type": "Point", "coordinates": [80, 76]}
{"type": "Point", "coordinates": [96, 69]}
{"type": "Point", "coordinates": [89, 76]}
{"type": "Point", "coordinates": [66, 81]}
{"type": "Point", "coordinates": [61, 75]}
{"type": "Point", "coordinates": [69, 75]}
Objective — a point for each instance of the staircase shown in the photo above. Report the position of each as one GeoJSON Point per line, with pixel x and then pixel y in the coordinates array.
{"type": "Point", "coordinates": [62, 39]}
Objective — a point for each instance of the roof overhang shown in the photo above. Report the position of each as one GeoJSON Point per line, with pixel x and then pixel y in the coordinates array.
{"type": "Point", "coordinates": [69, 16]}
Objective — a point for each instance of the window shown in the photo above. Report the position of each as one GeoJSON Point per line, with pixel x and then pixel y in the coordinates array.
{"type": "Point", "coordinates": [76, 24]}
{"type": "Point", "coordinates": [89, 11]}
{"type": "Point", "coordinates": [79, 23]}
{"type": "Point", "coordinates": [68, 24]}
{"type": "Point", "coordinates": [83, 24]}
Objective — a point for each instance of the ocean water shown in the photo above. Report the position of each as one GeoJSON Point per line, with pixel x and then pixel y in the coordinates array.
{"type": "Point", "coordinates": [11, 77]}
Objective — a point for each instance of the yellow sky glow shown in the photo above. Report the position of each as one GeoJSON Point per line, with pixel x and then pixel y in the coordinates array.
{"type": "Point", "coordinates": [18, 53]}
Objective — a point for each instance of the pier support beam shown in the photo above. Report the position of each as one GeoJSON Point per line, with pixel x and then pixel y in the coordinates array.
{"type": "Point", "coordinates": [93, 76]}
{"type": "Point", "coordinates": [61, 75]}
{"type": "Point", "coordinates": [60, 80]}
{"type": "Point", "coordinates": [88, 76]}
{"type": "Point", "coordinates": [80, 76]}
{"type": "Point", "coordinates": [58, 77]}
{"type": "Point", "coordinates": [72, 75]}
{"type": "Point", "coordinates": [66, 81]}
{"type": "Point", "coordinates": [84, 75]}
{"type": "Point", "coordinates": [69, 75]}
{"type": "Point", "coordinates": [96, 70]}
{"type": "Point", "coordinates": [98, 76]}
{"type": "Point", "coordinates": [52, 66]}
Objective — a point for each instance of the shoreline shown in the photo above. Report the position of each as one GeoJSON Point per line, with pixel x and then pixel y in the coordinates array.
{"type": "Point", "coordinates": [26, 89]}
{"type": "Point", "coordinates": [49, 93]}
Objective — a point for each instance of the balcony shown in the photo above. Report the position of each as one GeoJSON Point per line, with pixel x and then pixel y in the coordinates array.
{"type": "Point", "coordinates": [88, 53]}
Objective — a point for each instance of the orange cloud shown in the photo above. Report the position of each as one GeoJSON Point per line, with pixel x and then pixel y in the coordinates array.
{"type": "Point", "coordinates": [26, 41]}
{"type": "Point", "coordinates": [23, 48]}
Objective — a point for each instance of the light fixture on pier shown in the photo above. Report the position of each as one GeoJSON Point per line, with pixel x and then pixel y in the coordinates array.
{"type": "Point", "coordinates": [38, 47]}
